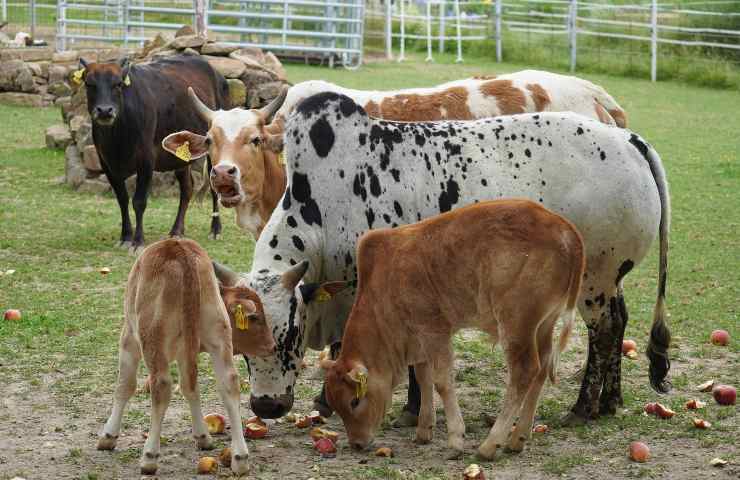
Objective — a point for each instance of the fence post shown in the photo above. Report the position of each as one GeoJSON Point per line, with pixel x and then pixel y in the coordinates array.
{"type": "Point", "coordinates": [5, 10]}
{"type": "Point", "coordinates": [573, 32]}
{"type": "Point", "coordinates": [499, 47]}
{"type": "Point", "coordinates": [442, 26]}
{"type": "Point", "coordinates": [200, 17]}
{"type": "Point", "coordinates": [124, 16]}
{"type": "Point", "coordinates": [459, 32]}
{"type": "Point", "coordinates": [654, 40]}
{"type": "Point", "coordinates": [388, 30]}
{"type": "Point", "coordinates": [61, 35]}
{"type": "Point", "coordinates": [33, 18]}
{"type": "Point", "coordinates": [429, 32]}
{"type": "Point", "coordinates": [402, 54]}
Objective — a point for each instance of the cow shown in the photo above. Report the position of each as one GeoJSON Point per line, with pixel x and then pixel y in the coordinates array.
{"type": "Point", "coordinates": [349, 173]}
{"type": "Point", "coordinates": [510, 268]}
{"type": "Point", "coordinates": [173, 310]}
{"type": "Point", "coordinates": [132, 108]}
{"type": "Point", "coordinates": [252, 179]}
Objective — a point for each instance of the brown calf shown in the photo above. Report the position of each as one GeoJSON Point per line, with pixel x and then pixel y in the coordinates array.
{"type": "Point", "coordinates": [510, 268]}
{"type": "Point", "coordinates": [173, 310]}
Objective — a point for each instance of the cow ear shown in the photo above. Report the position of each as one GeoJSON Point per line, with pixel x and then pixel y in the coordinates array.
{"type": "Point", "coordinates": [226, 276]}
{"type": "Point", "coordinates": [186, 145]}
{"type": "Point", "coordinates": [274, 142]}
{"type": "Point", "coordinates": [358, 377]}
{"type": "Point", "coordinates": [321, 292]}
{"type": "Point", "coordinates": [125, 66]}
{"type": "Point", "coordinates": [83, 63]}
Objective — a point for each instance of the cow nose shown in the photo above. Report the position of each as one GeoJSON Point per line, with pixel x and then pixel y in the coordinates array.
{"type": "Point", "coordinates": [104, 111]}
{"type": "Point", "coordinates": [224, 171]}
{"type": "Point", "coordinates": [268, 407]}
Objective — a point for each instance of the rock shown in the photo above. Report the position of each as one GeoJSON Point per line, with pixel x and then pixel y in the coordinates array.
{"type": "Point", "coordinates": [90, 159]}
{"type": "Point", "coordinates": [228, 67]}
{"type": "Point", "coordinates": [183, 42]}
{"type": "Point", "coordinates": [76, 122]}
{"type": "Point", "coordinates": [162, 53]}
{"type": "Point", "coordinates": [68, 56]}
{"type": "Point", "coordinates": [9, 70]}
{"type": "Point", "coordinates": [185, 31]}
{"type": "Point", "coordinates": [159, 41]}
{"type": "Point", "coordinates": [190, 51]}
{"type": "Point", "coordinates": [266, 92]}
{"type": "Point", "coordinates": [25, 82]}
{"type": "Point", "coordinates": [111, 55]}
{"type": "Point", "coordinates": [35, 69]}
{"type": "Point", "coordinates": [252, 78]}
{"type": "Point", "coordinates": [74, 171]}
{"type": "Point", "coordinates": [95, 186]}
{"type": "Point", "coordinates": [237, 92]}
{"type": "Point", "coordinates": [62, 102]}
{"type": "Point", "coordinates": [58, 136]}
{"type": "Point", "coordinates": [253, 53]}
{"type": "Point", "coordinates": [21, 99]}
{"type": "Point", "coordinates": [57, 73]}
{"type": "Point", "coordinates": [218, 48]}
{"type": "Point", "coordinates": [60, 89]}
{"type": "Point", "coordinates": [272, 62]}
{"type": "Point", "coordinates": [31, 54]}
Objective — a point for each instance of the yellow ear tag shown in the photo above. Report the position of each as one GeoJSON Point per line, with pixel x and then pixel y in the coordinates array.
{"type": "Point", "coordinates": [77, 76]}
{"type": "Point", "coordinates": [183, 152]}
{"type": "Point", "coordinates": [281, 158]}
{"type": "Point", "coordinates": [242, 321]}
{"type": "Point", "coordinates": [127, 81]}
{"type": "Point", "coordinates": [361, 387]}
{"type": "Point", "coordinates": [322, 295]}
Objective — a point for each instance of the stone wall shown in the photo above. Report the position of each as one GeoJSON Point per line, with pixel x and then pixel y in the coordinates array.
{"type": "Point", "coordinates": [254, 79]}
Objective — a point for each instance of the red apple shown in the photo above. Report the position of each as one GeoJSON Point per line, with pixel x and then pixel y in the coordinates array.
{"type": "Point", "coordinates": [706, 386]}
{"type": "Point", "coordinates": [316, 418]}
{"type": "Point", "coordinates": [651, 408]}
{"type": "Point", "coordinates": [628, 345]}
{"type": "Point", "coordinates": [256, 420]}
{"type": "Point", "coordinates": [702, 424]}
{"type": "Point", "coordinates": [207, 465]}
{"type": "Point", "coordinates": [639, 452]}
{"type": "Point", "coordinates": [384, 452]}
{"type": "Point", "coordinates": [12, 314]}
{"type": "Point", "coordinates": [541, 429]}
{"type": "Point", "coordinates": [473, 472]}
{"type": "Point", "coordinates": [720, 337]}
{"type": "Point", "coordinates": [216, 423]}
{"type": "Point", "coordinates": [325, 446]}
{"type": "Point", "coordinates": [255, 431]}
{"type": "Point", "coordinates": [724, 394]}
{"type": "Point", "coordinates": [302, 421]}
{"type": "Point", "coordinates": [663, 412]}
{"type": "Point", "coordinates": [695, 404]}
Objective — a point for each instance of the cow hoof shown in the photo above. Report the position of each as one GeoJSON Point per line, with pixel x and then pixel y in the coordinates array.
{"type": "Point", "coordinates": [484, 454]}
{"type": "Point", "coordinates": [515, 445]}
{"type": "Point", "coordinates": [149, 469]}
{"type": "Point", "coordinates": [135, 250]}
{"type": "Point", "coordinates": [214, 236]}
{"type": "Point", "coordinates": [204, 442]}
{"type": "Point", "coordinates": [107, 441]}
{"type": "Point", "coordinates": [573, 419]}
{"type": "Point", "coordinates": [406, 419]}
{"type": "Point", "coordinates": [240, 464]}
{"type": "Point", "coordinates": [124, 244]}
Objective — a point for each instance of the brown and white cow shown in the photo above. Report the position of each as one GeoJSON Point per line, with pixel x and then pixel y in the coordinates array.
{"type": "Point", "coordinates": [174, 309]}
{"type": "Point", "coordinates": [245, 145]}
{"type": "Point", "coordinates": [510, 268]}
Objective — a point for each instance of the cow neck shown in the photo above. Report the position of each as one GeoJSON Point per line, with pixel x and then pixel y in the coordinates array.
{"type": "Point", "coordinates": [123, 136]}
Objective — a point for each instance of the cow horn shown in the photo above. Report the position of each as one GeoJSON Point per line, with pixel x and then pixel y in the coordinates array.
{"type": "Point", "coordinates": [205, 112]}
{"type": "Point", "coordinates": [269, 110]}
{"type": "Point", "coordinates": [291, 277]}
{"type": "Point", "coordinates": [225, 275]}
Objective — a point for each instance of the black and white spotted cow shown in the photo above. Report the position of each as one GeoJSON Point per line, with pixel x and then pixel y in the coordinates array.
{"type": "Point", "coordinates": [349, 173]}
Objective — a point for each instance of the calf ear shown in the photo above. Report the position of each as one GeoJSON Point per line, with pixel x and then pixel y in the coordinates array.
{"type": "Point", "coordinates": [251, 310]}
{"type": "Point", "coordinates": [294, 275]}
{"type": "Point", "coordinates": [274, 142]}
{"type": "Point", "coordinates": [185, 145]}
{"type": "Point", "coordinates": [225, 275]}
{"type": "Point", "coordinates": [321, 292]}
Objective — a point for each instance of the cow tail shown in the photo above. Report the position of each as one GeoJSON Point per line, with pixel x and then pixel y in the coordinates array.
{"type": "Point", "coordinates": [191, 301]}
{"type": "Point", "coordinates": [206, 186]}
{"type": "Point", "coordinates": [660, 336]}
{"type": "Point", "coordinates": [611, 106]}
{"type": "Point", "coordinates": [575, 246]}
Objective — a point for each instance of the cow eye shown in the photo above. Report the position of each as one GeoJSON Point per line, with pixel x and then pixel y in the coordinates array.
{"type": "Point", "coordinates": [354, 403]}
{"type": "Point", "coordinates": [256, 141]}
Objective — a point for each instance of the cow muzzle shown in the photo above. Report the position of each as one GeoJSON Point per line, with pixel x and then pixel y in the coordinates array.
{"type": "Point", "coordinates": [269, 407]}
{"type": "Point", "coordinates": [225, 182]}
{"type": "Point", "coordinates": [104, 114]}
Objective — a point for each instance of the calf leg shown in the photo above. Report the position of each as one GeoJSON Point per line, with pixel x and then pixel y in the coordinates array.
{"type": "Point", "coordinates": [119, 188]}
{"type": "Point", "coordinates": [410, 414]}
{"type": "Point", "coordinates": [185, 180]}
{"type": "Point", "coordinates": [319, 402]}
{"type": "Point", "coordinates": [129, 355]}
{"type": "Point", "coordinates": [188, 371]}
{"type": "Point", "coordinates": [523, 365]}
{"type": "Point", "coordinates": [427, 414]}
{"type": "Point", "coordinates": [228, 387]}
{"type": "Point", "coordinates": [143, 181]}
{"type": "Point", "coordinates": [445, 385]}
{"type": "Point", "coordinates": [161, 385]}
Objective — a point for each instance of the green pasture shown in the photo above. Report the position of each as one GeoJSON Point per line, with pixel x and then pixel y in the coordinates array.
{"type": "Point", "coordinates": [66, 344]}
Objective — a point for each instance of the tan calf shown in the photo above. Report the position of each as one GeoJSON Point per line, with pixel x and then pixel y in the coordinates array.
{"type": "Point", "coordinates": [173, 310]}
{"type": "Point", "coordinates": [510, 268]}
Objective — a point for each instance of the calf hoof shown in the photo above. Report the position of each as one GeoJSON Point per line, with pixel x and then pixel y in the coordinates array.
{"type": "Point", "coordinates": [148, 463]}
{"type": "Point", "coordinates": [516, 444]}
{"type": "Point", "coordinates": [486, 453]}
{"type": "Point", "coordinates": [106, 441]}
{"type": "Point", "coordinates": [240, 464]}
{"type": "Point", "coordinates": [406, 419]}
{"type": "Point", "coordinates": [423, 436]}
{"type": "Point", "coordinates": [573, 419]}
{"type": "Point", "coordinates": [204, 442]}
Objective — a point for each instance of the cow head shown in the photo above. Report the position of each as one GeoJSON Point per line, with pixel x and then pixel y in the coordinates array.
{"type": "Point", "coordinates": [284, 296]}
{"type": "Point", "coordinates": [251, 334]}
{"type": "Point", "coordinates": [104, 84]}
{"type": "Point", "coordinates": [237, 142]}
{"type": "Point", "coordinates": [360, 399]}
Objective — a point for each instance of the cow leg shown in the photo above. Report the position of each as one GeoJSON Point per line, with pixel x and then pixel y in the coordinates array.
{"type": "Point", "coordinates": [445, 385]}
{"type": "Point", "coordinates": [188, 372]}
{"type": "Point", "coordinates": [185, 180]}
{"type": "Point", "coordinates": [228, 388]}
{"type": "Point", "coordinates": [161, 386]}
{"type": "Point", "coordinates": [523, 430]}
{"type": "Point", "coordinates": [611, 393]}
{"type": "Point", "coordinates": [215, 216]}
{"type": "Point", "coordinates": [523, 366]}
{"type": "Point", "coordinates": [410, 414]}
{"type": "Point", "coordinates": [143, 181]}
{"type": "Point", "coordinates": [319, 402]}
{"type": "Point", "coordinates": [129, 356]}
{"type": "Point", "coordinates": [119, 188]}
{"type": "Point", "coordinates": [427, 414]}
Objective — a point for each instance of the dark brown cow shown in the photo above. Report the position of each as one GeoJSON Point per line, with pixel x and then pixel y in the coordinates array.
{"type": "Point", "coordinates": [510, 268]}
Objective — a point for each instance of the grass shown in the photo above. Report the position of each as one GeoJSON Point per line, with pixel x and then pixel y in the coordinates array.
{"type": "Point", "coordinates": [66, 344]}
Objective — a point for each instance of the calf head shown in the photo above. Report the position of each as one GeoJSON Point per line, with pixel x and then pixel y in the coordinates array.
{"type": "Point", "coordinates": [251, 335]}
{"type": "Point", "coordinates": [360, 400]}
{"type": "Point", "coordinates": [104, 85]}
{"type": "Point", "coordinates": [284, 296]}
{"type": "Point", "coordinates": [237, 142]}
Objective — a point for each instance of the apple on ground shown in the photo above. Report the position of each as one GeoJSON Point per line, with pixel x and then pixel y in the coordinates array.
{"type": "Point", "coordinates": [225, 457]}
{"type": "Point", "coordinates": [325, 446]}
{"type": "Point", "coordinates": [720, 337]}
{"type": "Point", "coordinates": [215, 422]}
{"type": "Point", "coordinates": [207, 465]}
{"type": "Point", "coordinates": [255, 431]}
{"type": "Point", "coordinates": [12, 314]}
{"type": "Point", "coordinates": [701, 423]}
{"type": "Point", "coordinates": [639, 452]}
{"type": "Point", "coordinates": [473, 472]}
{"type": "Point", "coordinates": [384, 452]}
{"type": "Point", "coordinates": [628, 345]}
{"type": "Point", "coordinates": [695, 404]}
{"type": "Point", "coordinates": [724, 394]}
